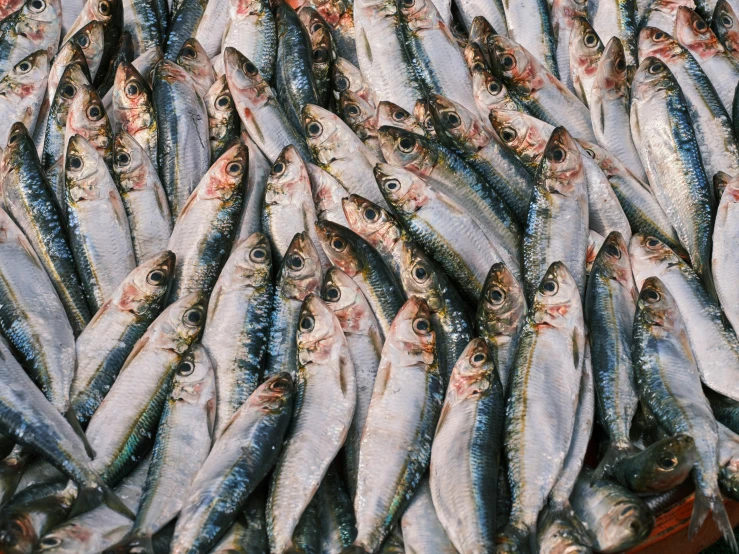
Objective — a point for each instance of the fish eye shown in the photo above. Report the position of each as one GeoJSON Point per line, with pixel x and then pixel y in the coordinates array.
{"type": "Point", "coordinates": [194, 316]}
{"type": "Point", "coordinates": [38, 5]}
{"type": "Point", "coordinates": [258, 254]}
{"type": "Point", "coordinates": [392, 184]}
{"type": "Point", "coordinates": [314, 129]}
{"type": "Point", "coordinates": [332, 294]}
{"type": "Point", "coordinates": [95, 113]}
{"type": "Point", "coordinates": [104, 7]}
{"type": "Point", "coordinates": [68, 91]}
{"type": "Point", "coordinates": [422, 326]}
{"type": "Point", "coordinates": [496, 295]}
{"type": "Point", "coordinates": [478, 359]}
{"type": "Point", "coordinates": [621, 65]}
{"type": "Point", "coordinates": [420, 274]}
{"type": "Point", "coordinates": [667, 463]}
{"type": "Point", "coordinates": [83, 41]}
{"type": "Point", "coordinates": [250, 68]}
{"type": "Point", "coordinates": [234, 169]}
{"type": "Point", "coordinates": [659, 36]}
{"type": "Point", "coordinates": [653, 243]}
{"type": "Point", "coordinates": [307, 323]}
{"type": "Point", "coordinates": [316, 27]}
{"type": "Point", "coordinates": [590, 40]}
{"type": "Point", "coordinates": [453, 119]}
{"type": "Point", "coordinates": [558, 155]}
{"type": "Point", "coordinates": [338, 244]}
{"type": "Point", "coordinates": [123, 159]}
{"type": "Point", "coordinates": [132, 89]}
{"type": "Point", "coordinates": [399, 115]}
{"type": "Point", "coordinates": [351, 110]}
{"type": "Point", "coordinates": [476, 66]}
{"type": "Point", "coordinates": [156, 277]}
{"type": "Point", "coordinates": [508, 134]}
{"type": "Point", "coordinates": [14, 137]}
{"type": "Point", "coordinates": [549, 287]}
{"type": "Point", "coordinates": [342, 83]}
{"type": "Point", "coordinates": [189, 52]}
{"type": "Point", "coordinates": [635, 527]}
{"type": "Point", "coordinates": [652, 296]}
{"type": "Point", "coordinates": [223, 101]}
{"type": "Point", "coordinates": [320, 55]}
{"type": "Point", "coordinates": [370, 214]}
{"type": "Point", "coordinates": [74, 162]}
{"type": "Point", "coordinates": [700, 26]}
{"type": "Point", "coordinates": [278, 168]}
{"type": "Point", "coordinates": [24, 67]}
{"type": "Point", "coordinates": [590, 152]}
{"type": "Point", "coordinates": [656, 68]}
{"type": "Point", "coordinates": [185, 368]}
{"type": "Point", "coordinates": [726, 21]}
{"type": "Point", "coordinates": [50, 542]}
{"type": "Point", "coordinates": [507, 61]}
{"type": "Point", "coordinates": [428, 122]}
{"type": "Point", "coordinates": [494, 88]}
{"type": "Point", "coordinates": [295, 262]}
{"type": "Point", "coordinates": [279, 385]}
{"type": "Point", "coordinates": [406, 144]}
{"type": "Point", "coordinates": [408, 3]}
{"type": "Point", "coordinates": [613, 250]}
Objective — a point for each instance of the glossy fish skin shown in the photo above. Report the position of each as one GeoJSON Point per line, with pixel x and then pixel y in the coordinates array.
{"type": "Point", "coordinates": [182, 25]}
{"type": "Point", "coordinates": [256, 180]}
{"type": "Point", "coordinates": [678, 178]}
{"type": "Point", "coordinates": [182, 444]}
{"type": "Point", "coordinates": [346, 76]}
{"type": "Point", "coordinates": [609, 107]}
{"type": "Point", "coordinates": [723, 264]}
{"type": "Point", "coordinates": [34, 27]}
{"type": "Point", "coordinates": [21, 93]}
{"type": "Point", "coordinates": [130, 412]}
{"type": "Point", "coordinates": [31, 204]}
{"type": "Point", "coordinates": [557, 227]}
{"type": "Point", "coordinates": [467, 445]}
{"type": "Point", "coordinates": [718, 146]}
{"type": "Point", "coordinates": [361, 118]}
{"type": "Point", "coordinates": [539, 90]}
{"type": "Point", "coordinates": [669, 384]}
{"type": "Point", "coordinates": [194, 60]}
{"type": "Point", "coordinates": [121, 321]}
{"type": "Point", "coordinates": [252, 30]}
{"type": "Point", "coordinates": [91, 40]}
{"type": "Point", "coordinates": [389, 114]}
{"type": "Point", "coordinates": [223, 119]}
{"type": "Point", "coordinates": [724, 24]}
{"type": "Point", "coordinates": [248, 535]}
{"type": "Point", "coordinates": [661, 14]}
{"type": "Point", "coordinates": [616, 18]}
{"type": "Point", "coordinates": [183, 151]}
{"type": "Point", "coordinates": [260, 112]}
{"type": "Point", "coordinates": [328, 195]}
{"type": "Point", "coordinates": [421, 528]}
{"type": "Point", "coordinates": [123, 53]}
{"type": "Point", "coordinates": [452, 177]}
{"type": "Point", "coordinates": [490, 93]}
{"type": "Point", "coordinates": [88, 119]}
{"type": "Point", "coordinates": [324, 51]}
{"type": "Point", "coordinates": [715, 347]}
{"type": "Point", "coordinates": [207, 224]}
{"type": "Point", "coordinates": [610, 306]}
{"type": "Point", "coordinates": [396, 444]}
{"type": "Point", "coordinates": [239, 460]}
{"type": "Point", "coordinates": [552, 343]}
{"type": "Point", "coordinates": [660, 467]}
{"type": "Point", "coordinates": [501, 313]}
{"type": "Point", "coordinates": [140, 18]}
{"type": "Point", "coordinates": [336, 513]}
{"type": "Point", "coordinates": [365, 339]}
{"type": "Point", "coordinates": [99, 233]}
{"type": "Point", "coordinates": [133, 109]}
{"type": "Point", "coordinates": [236, 330]}
{"type": "Point", "coordinates": [325, 397]}
{"type": "Point", "coordinates": [616, 518]}
{"type": "Point", "coordinates": [586, 49]}
{"type": "Point", "coordinates": [725, 409]}
{"type": "Point", "coordinates": [529, 24]}
{"type": "Point", "coordinates": [563, 14]}
{"type": "Point", "coordinates": [561, 534]}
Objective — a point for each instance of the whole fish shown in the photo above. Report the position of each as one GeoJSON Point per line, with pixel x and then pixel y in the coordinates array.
{"type": "Point", "coordinates": [692, 32]}
{"type": "Point", "coordinates": [722, 262]}
{"type": "Point", "coordinates": [557, 227]}
{"type": "Point", "coordinates": [239, 460]}
{"type": "Point", "coordinates": [678, 178]}
{"type": "Point", "coordinates": [256, 180]}
{"type": "Point", "coordinates": [299, 276]}
{"type": "Point", "coordinates": [328, 195]}
{"type": "Point", "coordinates": [563, 14]}
{"type": "Point", "coordinates": [183, 151]}
{"type": "Point", "coordinates": [467, 445]}
{"type": "Point", "coordinates": [21, 92]}
{"type": "Point", "coordinates": [121, 321]}
{"type": "Point", "coordinates": [325, 388]}
{"type": "Point", "coordinates": [122, 429]}
{"type": "Point", "coordinates": [404, 410]}
{"type": "Point", "coordinates": [615, 517]}
{"type": "Point", "coordinates": [546, 380]}
{"type": "Point", "coordinates": [616, 18]}
{"type": "Point", "coordinates": [365, 339]}
{"type": "Point", "coordinates": [237, 326]}
{"type": "Point", "coordinates": [609, 107]}
{"type": "Point", "coordinates": [223, 119]}
{"type": "Point", "coordinates": [586, 49]}
{"type": "Point", "coordinates": [33, 206]}
{"type": "Point", "coordinates": [420, 525]}
{"type": "Point", "coordinates": [99, 233]}
{"type": "Point", "coordinates": [182, 444]}
{"type": "Point", "coordinates": [501, 313]}
{"type": "Point", "coordinates": [35, 26]}
{"type": "Point", "coordinates": [212, 26]}
{"type": "Point", "coordinates": [207, 224]}
{"type": "Point", "coordinates": [260, 112]}
{"type": "Point", "coordinates": [724, 24]}
{"type": "Point", "coordinates": [660, 467]}
{"type": "Point", "coordinates": [143, 197]}
{"type": "Point", "coordinates": [194, 60]}
{"type": "Point", "coordinates": [610, 305]}
{"type": "Point", "coordinates": [384, 60]}
{"type": "Point", "coordinates": [673, 392]}
{"type": "Point", "coordinates": [530, 25]}
{"type": "Point", "coordinates": [715, 346]}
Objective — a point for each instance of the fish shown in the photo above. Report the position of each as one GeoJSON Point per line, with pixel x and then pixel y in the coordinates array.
{"type": "Point", "coordinates": [21, 92]}
{"type": "Point", "coordinates": [661, 466]}
{"type": "Point", "coordinates": [141, 20]}
{"type": "Point", "coordinates": [87, 118]}
{"type": "Point", "coordinates": [530, 25]}
{"type": "Point", "coordinates": [345, 75]}
{"type": "Point", "coordinates": [236, 328]}
{"type": "Point", "coordinates": [248, 534]}
{"type": "Point", "coordinates": [211, 27]}
{"type": "Point", "coordinates": [389, 114]}
{"type": "Point", "coordinates": [207, 223]}
{"type": "Point", "coordinates": [422, 531]}
{"type": "Point", "coordinates": [328, 195]}
{"type": "Point", "coordinates": [724, 26]}
{"type": "Point", "coordinates": [91, 40]}
{"type": "Point", "coordinates": [244, 454]}
{"type": "Point", "coordinates": [194, 60]}
{"type": "Point", "coordinates": [721, 264]}
{"type": "Point", "coordinates": [35, 26]}
{"type": "Point", "coordinates": [223, 119]}
{"type": "Point", "coordinates": [616, 18]}
{"type": "Point", "coordinates": [490, 93]}
{"type": "Point", "coordinates": [493, 12]}
{"type": "Point", "coordinates": [335, 512]}
{"type": "Point", "coordinates": [361, 118]}
{"type": "Point", "coordinates": [256, 180]}
{"type": "Point", "coordinates": [323, 51]}
{"type": "Point", "coordinates": [183, 22]}
{"type": "Point", "coordinates": [661, 14]}
{"type": "Point", "coordinates": [123, 53]}
{"type": "Point", "coordinates": [393, 457]}
{"type": "Point", "coordinates": [586, 49]}
{"type": "Point", "coordinates": [563, 14]}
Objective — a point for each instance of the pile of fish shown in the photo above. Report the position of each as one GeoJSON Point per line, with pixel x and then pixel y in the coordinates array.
{"type": "Point", "coordinates": [387, 276]}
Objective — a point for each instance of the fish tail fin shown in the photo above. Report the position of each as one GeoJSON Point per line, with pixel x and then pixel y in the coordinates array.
{"type": "Point", "coordinates": [142, 543]}
{"type": "Point", "coordinates": [721, 518]}
{"type": "Point", "coordinates": [71, 417]}
{"type": "Point", "coordinates": [515, 538]}
{"type": "Point", "coordinates": [701, 507]}
{"type": "Point", "coordinates": [97, 493]}
{"type": "Point", "coordinates": [614, 454]}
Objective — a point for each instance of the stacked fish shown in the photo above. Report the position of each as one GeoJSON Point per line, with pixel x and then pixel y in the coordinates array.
{"type": "Point", "coordinates": [386, 276]}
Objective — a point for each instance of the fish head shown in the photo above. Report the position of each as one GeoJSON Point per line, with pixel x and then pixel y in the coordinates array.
{"type": "Point", "coordinates": [18, 533]}
{"type": "Point", "coordinates": [288, 178]}
{"type": "Point", "coordinates": [658, 43]}
{"type": "Point", "coordinates": [319, 334]}
{"type": "Point", "coordinates": [402, 189]}
{"type": "Point", "coordinates": [194, 381]}
{"type": "Point", "coordinates": [650, 256]}
{"type": "Point", "coordinates": [422, 113]}
{"type": "Point", "coordinates": [27, 78]}
{"type": "Point", "coordinates": [586, 47]}
{"type": "Point", "coordinates": [475, 57]}
{"type": "Point", "coordinates": [370, 221]}
{"type": "Point", "coordinates": [74, 77]}
{"type": "Point", "coordinates": [557, 299]}
{"type": "Point", "coordinates": [490, 91]}
{"type": "Point", "coordinates": [244, 79]}
{"type": "Point", "coordinates": [502, 306]}
{"type": "Point", "coordinates": [344, 297]}
{"type": "Point", "coordinates": [407, 150]}
{"type": "Point", "coordinates": [512, 540]}
{"type": "Point", "coordinates": [323, 129]}
{"type": "Point", "coordinates": [562, 535]}
{"type": "Point", "coordinates": [653, 79]}
{"type": "Point", "coordinates": [613, 261]}
{"type": "Point", "coordinates": [512, 62]}
{"type": "Point", "coordinates": [411, 338]}
{"type": "Point", "coordinates": [225, 178]}
{"type": "Point", "coordinates": [393, 115]}
{"type": "Point", "coordinates": [525, 135]}
{"type": "Point", "coordinates": [727, 188]}
{"type": "Point", "coordinates": [146, 286]}
{"type": "Point", "coordinates": [626, 523]}
{"type": "Point", "coordinates": [91, 40]}
{"type": "Point", "coordinates": [421, 14]}
{"type": "Point", "coordinates": [327, 191]}
{"type": "Point", "coordinates": [667, 463]}
{"type": "Point", "coordinates": [458, 124]}
{"type": "Point", "coordinates": [341, 246]}
{"type": "Point", "coordinates": [561, 170]}
{"type": "Point", "coordinates": [42, 12]}
{"type": "Point", "coordinates": [181, 323]}
{"type": "Point", "coordinates": [85, 171]}
{"type": "Point", "coordinates": [87, 118]}
{"type": "Point", "coordinates": [244, 8]}
{"type": "Point", "coordinates": [320, 36]}
{"type": "Point", "coordinates": [473, 373]}
{"type": "Point", "coordinates": [695, 34]}
{"type": "Point", "coordinates": [69, 538]}
{"type": "Point", "coordinates": [481, 31]}
{"type": "Point", "coordinates": [130, 89]}
{"type": "Point", "coordinates": [300, 273]}
{"type": "Point", "coordinates": [130, 163]}
{"type": "Point", "coordinates": [657, 307]}
{"type": "Point", "coordinates": [725, 23]}
{"type": "Point", "coordinates": [193, 58]}
{"type": "Point", "coordinates": [355, 110]}
{"type": "Point", "coordinates": [252, 261]}
{"type": "Point", "coordinates": [103, 10]}
{"type": "Point", "coordinates": [346, 76]}
{"type": "Point", "coordinates": [69, 53]}
{"type": "Point", "coordinates": [611, 75]}
{"type": "Point", "coordinates": [219, 103]}
{"type": "Point", "coordinates": [275, 395]}
{"type": "Point", "coordinates": [421, 277]}
{"type": "Point", "coordinates": [17, 149]}
{"type": "Point", "coordinates": [564, 11]}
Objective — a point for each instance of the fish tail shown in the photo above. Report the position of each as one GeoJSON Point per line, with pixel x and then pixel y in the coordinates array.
{"type": "Point", "coordinates": [94, 494]}
{"type": "Point", "coordinates": [721, 518]}
{"type": "Point", "coordinates": [142, 543]}
{"type": "Point", "coordinates": [71, 417]}
{"type": "Point", "coordinates": [614, 454]}
{"type": "Point", "coordinates": [513, 538]}
{"type": "Point", "coordinates": [701, 507]}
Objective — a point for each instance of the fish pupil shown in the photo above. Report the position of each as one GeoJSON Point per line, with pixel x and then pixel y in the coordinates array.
{"type": "Point", "coordinates": [250, 68]}
{"type": "Point", "coordinates": [189, 52]}
{"type": "Point", "coordinates": [651, 295]}
{"type": "Point", "coordinates": [94, 112]}
{"type": "Point", "coordinates": [668, 463]}
{"type": "Point", "coordinates": [316, 27]}
{"type": "Point", "coordinates": [454, 119]}
{"type": "Point", "coordinates": [75, 162]}
{"type": "Point", "coordinates": [549, 286]}
{"type": "Point", "coordinates": [234, 169]}
{"type": "Point", "coordinates": [496, 296]}
{"type": "Point", "coordinates": [421, 274]}
{"type": "Point", "coordinates": [558, 155]}
{"type": "Point", "coordinates": [352, 110]}
{"type": "Point", "coordinates": [494, 88]}
{"type": "Point", "coordinates": [700, 26]}
{"type": "Point", "coordinates": [659, 35]}
{"type": "Point", "coordinates": [314, 129]}
{"type": "Point", "coordinates": [278, 168]}
{"type": "Point", "coordinates": [223, 102]}
{"type": "Point", "coordinates": [104, 8]}
{"type": "Point", "coordinates": [399, 116]}
{"type": "Point", "coordinates": [370, 214]}
{"type": "Point", "coordinates": [259, 254]}
{"type": "Point", "coordinates": [392, 185]}
{"type": "Point", "coordinates": [193, 316]}
{"type": "Point", "coordinates": [37, 5]}
{"type": "Point", "coordinates": [613, 251]}
{"type": "Point", "coordinates": [422, 325]}
{"type": "Point", "coordinates": [333, 293]}
{"type": "Point", "coordinates": [338, 244]}
{"type": "Point", "coordinates": [478, 358]}
{"type": "Point", "coordinates": [69, 91]}
{"type": "Point", "coordinates": [132, 89]}
{"type": "Point", "coordinates": [590, 40]}
{"type": "Point", "coordinates": [508, 62]}
{"type": "Point", "coordinates": [319, 55]}
{"type": "Point", "coordinates": [508, 135]}
{"type": "Point", "coordinates": [620, 65]}
{"type": "Point", "coordinates": [156, 276]}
